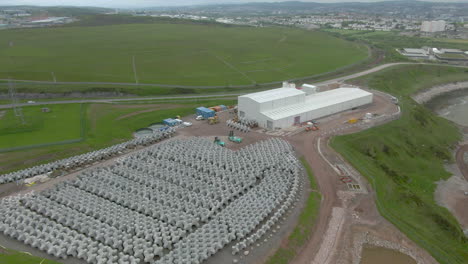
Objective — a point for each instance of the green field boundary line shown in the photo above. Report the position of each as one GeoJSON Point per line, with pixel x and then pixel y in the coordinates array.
{"type": "Point", "coordinates": [229, 65]}
{"type": "Point", "coordinates": [254, 85]}
{"type": "Point", "coordinates": [57, 143]}
{"type": "Point", "coordinates": [82, 122]}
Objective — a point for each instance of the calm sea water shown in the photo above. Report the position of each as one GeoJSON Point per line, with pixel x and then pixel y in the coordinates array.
{"type": "Point", "coordinates": [379, 255]}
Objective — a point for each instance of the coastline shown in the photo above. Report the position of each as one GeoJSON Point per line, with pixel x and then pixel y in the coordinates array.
{"type": "Point", "coordinates": [427, 95]}
{"type": "Point", "coordinates": [437, 98]}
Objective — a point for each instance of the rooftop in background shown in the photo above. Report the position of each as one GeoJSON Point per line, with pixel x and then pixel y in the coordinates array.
{"type": "Point", "coordinates": [451, 51]}
{"type": "Point", "coordinates": [415, 51]}
{"type": "Point", "coordinates": [317, 101]}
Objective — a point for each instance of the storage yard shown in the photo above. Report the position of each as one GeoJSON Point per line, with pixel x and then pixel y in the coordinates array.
{"type": "Point", "coordinates": [223, 190]}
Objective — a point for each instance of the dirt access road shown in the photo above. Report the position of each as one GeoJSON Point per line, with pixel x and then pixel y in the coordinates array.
{"type": "Point", "coordinates": [348, 218]}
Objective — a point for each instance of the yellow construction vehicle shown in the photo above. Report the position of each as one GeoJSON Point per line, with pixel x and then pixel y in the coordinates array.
{"type": "Point", "coordinates": [213, 120]}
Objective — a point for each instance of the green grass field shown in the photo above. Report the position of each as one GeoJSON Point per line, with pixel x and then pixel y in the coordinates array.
{"type": "Point", "coordinates": [404, 159]}
{"type": "Point", "coordinates": [303, 229]}
{"type": "Point", "coordinates": [178, 54]}
{"type": "Point", "coordinates": [63, 122]}
{"type": "Point", "coordinates": [8, 256]}
{"type": "Point", "coordinates": [104, 125]}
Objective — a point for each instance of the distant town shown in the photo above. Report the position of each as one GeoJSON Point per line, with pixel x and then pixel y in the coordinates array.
{"type": "Point", "coordinates": [18, 18]}
{"type": "Point", "coordinates": [436, 23]}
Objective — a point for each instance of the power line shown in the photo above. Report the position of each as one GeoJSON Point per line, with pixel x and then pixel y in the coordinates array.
{"type": "Point", "coordinates": [14, 101]}
{"type": "Point", "coordinates": [134, 70]}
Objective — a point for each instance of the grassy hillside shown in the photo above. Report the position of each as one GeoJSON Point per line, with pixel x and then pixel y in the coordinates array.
{"type": "Point", "coordinates": [180, 54]}
{"type": "Point", "coordinates": [105, 125]}
{"type": "Point", "coordinates": [404, 159]}
{"type": "Point", "coordinates": [62, 123]}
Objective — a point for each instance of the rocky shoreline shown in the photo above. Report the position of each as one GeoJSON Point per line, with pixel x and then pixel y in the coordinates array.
{"type": "Point", "coordinates": [428, 94]}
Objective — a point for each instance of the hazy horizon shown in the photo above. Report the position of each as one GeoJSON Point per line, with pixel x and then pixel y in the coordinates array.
{"type": "Point", "coordinates": [154, 3]}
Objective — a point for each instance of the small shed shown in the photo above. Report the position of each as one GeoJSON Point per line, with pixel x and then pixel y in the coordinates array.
{"type": "Point", "coordinates": [170, 122]}
{"type": "Point", "coordinates": [45, 110]}
{"type": "Point", "coordinates": [205, 112]}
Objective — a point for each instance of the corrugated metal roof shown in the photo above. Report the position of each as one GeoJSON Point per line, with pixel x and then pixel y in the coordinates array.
{"type": "Point", "coordinates": [271, 95]}
{"type": "Point", "coordinates": [451, 50]}
{"type": "Point", "coordinates": [204, 110]}
{"type": "Point", "coordinates": [419, 51]}
{"type": "Point", "coordinates": [317, 101]}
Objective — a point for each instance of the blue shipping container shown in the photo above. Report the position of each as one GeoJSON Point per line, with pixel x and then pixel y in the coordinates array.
{"type": "Point", "coordinates": [170, 122]}
{"type": "Point", "coordinates": [205, 112]}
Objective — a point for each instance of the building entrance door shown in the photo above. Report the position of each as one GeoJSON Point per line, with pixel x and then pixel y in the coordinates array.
{"type": "Point", "coordinates": [297, 120]}
{"type": "Point", "coordinates": [269, 124]}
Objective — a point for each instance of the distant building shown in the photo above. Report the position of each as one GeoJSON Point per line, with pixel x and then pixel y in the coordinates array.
{"type": "Point", "coordinates": [50, 21]}
{"type": "Point", "coordinates": [415, 53]}
{"type": "Point", "coordinates": [433, 26]}
{"type": "Point", "coordinates": [451, 51]}
{"type": "Point", "coordinates": [287, 106]}
{"type": "Point", "coordinates": [450, 55]}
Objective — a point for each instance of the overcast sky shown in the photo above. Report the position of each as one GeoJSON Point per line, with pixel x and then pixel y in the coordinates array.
{"type": "Point", "coordinates": [146, 3]}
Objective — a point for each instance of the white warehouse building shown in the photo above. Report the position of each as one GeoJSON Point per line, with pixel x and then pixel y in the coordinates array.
{"type": "Point", "coordinates": [285, 107]}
